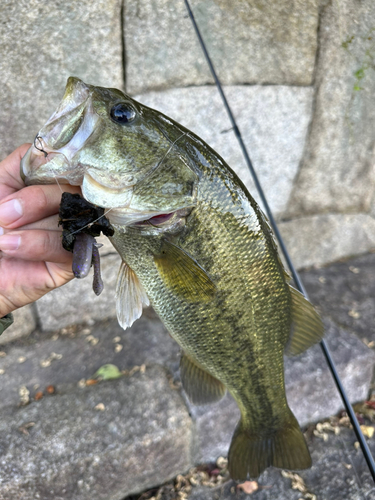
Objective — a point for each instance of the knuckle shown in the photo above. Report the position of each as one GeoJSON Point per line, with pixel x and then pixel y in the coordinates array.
{"type": "Point", "coordinates": [39, 198]}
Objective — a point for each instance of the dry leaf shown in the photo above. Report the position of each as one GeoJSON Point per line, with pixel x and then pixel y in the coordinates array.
{"type": "Point", "coordinates": [24, 395]}
{"type": "Point", "coordinates": [248, 487]}
{"type": "Point", "coordinates": [91, 381]}
{"type": "Point", "coordinates": [24, 428]}
{"type": "Point", "coordinates": [367, 430]}
{"type": "Point", "coordinates": [47, 362]}
{"type": "Point", "coordinates": [38, 395]}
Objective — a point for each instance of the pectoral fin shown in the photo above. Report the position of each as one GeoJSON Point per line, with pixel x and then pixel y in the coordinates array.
{"type": "Point", "coordinates": [199, 385]}
{"type": "Point", "coordinates": [130, 296]}
{"type": "Point", "coordinates": [307, 327]}
{"type": "Point", "coordinates": [183, 275]}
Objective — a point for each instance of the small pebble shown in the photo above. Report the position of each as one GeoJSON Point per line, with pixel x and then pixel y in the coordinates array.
{"type": "Point", "coordinates": [354, 314]}
{"type": "Point", "coordinates": [93, 340]}
{"type": "Point", "coordinates": [24, 394]}
{"type": "Point", "coordinates": [2, 354]}
{"type": "Point", "coordinates": [118, 347]}
{"type": "Point", "coordinates": [82, 383]}
{"type": "Point", "coordinates": [354, 270]}
{"type": "Point", "coordinates": [100, 407]}
{"type": "Point", "coordinates": [50, 389]}
{"type": "Point", "coordinates": [116, 339]}
{"type": "Point", "coordinates": [21, 359]}
{"type": "Point", "coordinates": [2, 371]}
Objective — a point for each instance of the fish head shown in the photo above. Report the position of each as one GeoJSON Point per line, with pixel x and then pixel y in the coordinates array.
{"type": "Point", "coordinates": [125, 156]}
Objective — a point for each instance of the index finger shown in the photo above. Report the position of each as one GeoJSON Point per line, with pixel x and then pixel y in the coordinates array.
{"type": "Point", "coordinates": [10, 179]}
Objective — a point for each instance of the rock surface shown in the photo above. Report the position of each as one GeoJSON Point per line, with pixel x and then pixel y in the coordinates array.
{"type": "Point", "coordinates": [24, 324]}
{"type": "Point", "coordinates": [76, 302]}
{"type": "Point", "coordinates": [273, 121]}
{"type": "Point", "coordinates": [337, 173]}
{"type": "Point", "coordinates": [77, 449]}
{"type": "Point", "coordinates": [248, 42]}
{"type": "Point", "coordinates": [43, 43]}
{"type": "Point", "coordinates": [79, 353]}
{"type": "Point", "coordinates": [345, 291]}
{"type": "Point", "coordinates": [322, 239]}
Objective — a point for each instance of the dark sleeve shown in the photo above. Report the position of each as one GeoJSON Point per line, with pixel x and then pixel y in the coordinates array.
{"type": "Point", "coordinates": [5, 322]}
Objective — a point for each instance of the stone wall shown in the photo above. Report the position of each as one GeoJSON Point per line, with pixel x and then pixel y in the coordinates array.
{"type": "Point", "coordinates": [300, 76]}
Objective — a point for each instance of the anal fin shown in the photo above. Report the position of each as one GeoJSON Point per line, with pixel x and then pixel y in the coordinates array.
{"type": "Point", "coordinates": [307, 327]}
{"type": "Point", "coordinates": [252, 451]}
{"type": "Point", "coordinates": [130, 296]}
{"type": "Point", "coordinates": [199, 385]}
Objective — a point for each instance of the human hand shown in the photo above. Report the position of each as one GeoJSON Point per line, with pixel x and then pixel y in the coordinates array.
{"type": "Point", "coordinates": [32, 259]}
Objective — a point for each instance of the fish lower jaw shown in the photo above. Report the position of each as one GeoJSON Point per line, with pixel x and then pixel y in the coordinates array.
{"type": "Point", "coordinates": [44, 166]}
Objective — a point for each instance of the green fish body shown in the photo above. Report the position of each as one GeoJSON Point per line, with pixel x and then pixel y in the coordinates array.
{"type": "Point", "coordinates": [196, 246]}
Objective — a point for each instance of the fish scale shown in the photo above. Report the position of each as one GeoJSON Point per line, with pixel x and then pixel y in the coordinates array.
{"type": "Point", "coordinates": [231, 253]}
{"type": "Point", "coordinates": [196, 246]}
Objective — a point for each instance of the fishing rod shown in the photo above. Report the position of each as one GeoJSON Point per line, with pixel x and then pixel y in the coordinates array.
{"type": "Point", "coordinates": [357, 429]}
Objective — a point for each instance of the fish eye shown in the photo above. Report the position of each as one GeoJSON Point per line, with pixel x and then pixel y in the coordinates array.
{"type": "Point", "coordinates": [123, 113]}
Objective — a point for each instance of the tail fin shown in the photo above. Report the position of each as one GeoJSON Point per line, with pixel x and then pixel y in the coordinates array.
{"type": "Point", "coordinates": [251, 452]}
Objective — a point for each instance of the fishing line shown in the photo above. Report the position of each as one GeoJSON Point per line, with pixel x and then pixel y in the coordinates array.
{"type": "Point", "coordinates": [57, 182]}
{"type": "Point", "coordinates": [92, 222]}
{"type": "Point", "coordinates": [365, 449]}
{"type": "Point", "coordinates": [153, 169]}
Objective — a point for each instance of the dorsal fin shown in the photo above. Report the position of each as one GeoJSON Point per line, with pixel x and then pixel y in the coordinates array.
{"type": "Point", "coordinates": [307, 327]}
{"type": "Point", "coordinates": [130, 296]}
{"type": "Point", "coordinates": [199, 385]}
{"type": "Point", "coordinates": [183, 275]}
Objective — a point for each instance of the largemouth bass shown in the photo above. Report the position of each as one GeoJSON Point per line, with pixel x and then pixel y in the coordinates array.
{"type": "Point", "coordinates": [194, 244]}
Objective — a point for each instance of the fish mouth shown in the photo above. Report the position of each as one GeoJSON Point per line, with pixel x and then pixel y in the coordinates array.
{"type": "Point", "coordinates": [157, 220]}
{"type": "Point", "coordinates": [147, 220]}
{"type": "Point", "coordinates": [171, 222]}
{"type": "Point", "coordinates": [52, 156]}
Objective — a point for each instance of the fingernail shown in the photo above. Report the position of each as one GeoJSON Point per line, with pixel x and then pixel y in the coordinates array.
{"type": "Point", "coordinates": [10, 242]}
{"type": "Point", "coordinates": [10, 211]}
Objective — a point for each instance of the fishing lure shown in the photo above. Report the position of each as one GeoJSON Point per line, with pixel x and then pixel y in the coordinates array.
{"type": "Point", "coordinates": [82, 222]}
